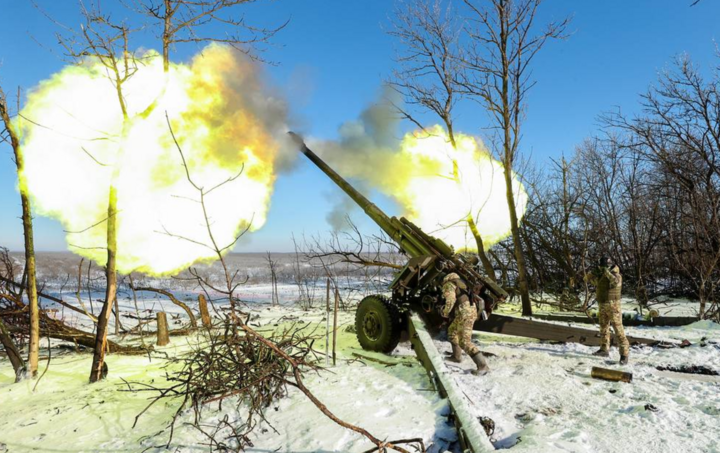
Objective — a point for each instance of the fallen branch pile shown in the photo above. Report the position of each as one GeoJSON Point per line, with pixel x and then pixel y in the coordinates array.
{"type": "Point", "coordinates": [15, 316]}
{"type": "Point", "coordinates": [253, 371]}
{"type": "Point", "coordinates": [232, 364]}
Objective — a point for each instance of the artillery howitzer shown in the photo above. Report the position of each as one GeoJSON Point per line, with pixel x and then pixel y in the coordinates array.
{"type": "Point", "coordinates": [379, 321]}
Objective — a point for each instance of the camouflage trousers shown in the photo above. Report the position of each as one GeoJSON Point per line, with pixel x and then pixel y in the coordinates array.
{"type": "Point", "coordinates": [610, 313]}
{"type": "Point", "coordinates": [460, 330]}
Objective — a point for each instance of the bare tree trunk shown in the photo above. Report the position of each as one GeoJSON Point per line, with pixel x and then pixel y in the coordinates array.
{"type": "Point", "coordinates": [487, 265]}
{"type": "Point", "coordinates": [12, 352]}
{"type": "Point", "coordinates": [96, 372]}
{"type": "Point", "coordinates": [517, 243]}
{"type": "Point", "coordinates": [167, 35]}
{"type": "Point", "coordinates": [497, 60]}
{"type": "Point", "coordinates": [510, 113]}
{"type": "Point", "coordinates": [430, 60]}
{"type": "Point", "coordinates": [34, 344]}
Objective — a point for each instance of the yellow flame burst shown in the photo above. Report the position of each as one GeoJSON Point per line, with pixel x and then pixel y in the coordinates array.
{"type": "Point", "coordinates": [74, 137]}
{"type": "Point", "coordinates": [439, 186]}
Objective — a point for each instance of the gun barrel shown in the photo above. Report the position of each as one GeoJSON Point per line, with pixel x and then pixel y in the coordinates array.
{"type": "Point", "coordinates": [408, 236]}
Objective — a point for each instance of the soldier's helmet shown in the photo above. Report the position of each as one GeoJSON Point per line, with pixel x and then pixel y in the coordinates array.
{"type": "Point", "coordinates": [605, 261]}
{"type": "Point", "coordinates": [451, 277]}
{"type": "Point", "coordinates": [455, 279]}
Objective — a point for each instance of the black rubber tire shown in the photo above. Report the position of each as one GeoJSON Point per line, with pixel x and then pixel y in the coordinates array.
{"type": "Point", "coordinates": [377, 324]}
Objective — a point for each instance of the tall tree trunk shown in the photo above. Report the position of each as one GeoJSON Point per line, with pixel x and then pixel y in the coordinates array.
{"type": "Point", "coordinates": [487, 265]}
{"type": "Point", "coordinates": [34, 344]}
{"type": "Point", "coordinates": [519, 255]}
{"type": "Point", "coordinates": [509, 149]}
{"type": "Point", "coordinates": [96, 372]}
{"type": "Point", "coordinates": [167, 35]}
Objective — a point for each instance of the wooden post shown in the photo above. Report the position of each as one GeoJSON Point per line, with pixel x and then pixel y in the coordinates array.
{"type": "Point", "coordinates": [163, 337]}
{"type": "Point", "coordinates": [204, 313]}
{"type": "Point", "coordinates": [610, 375]}
{"type": "Point", "coordinates": [335, 314]}
{"type": "Point", "coordinates": [327, 324]}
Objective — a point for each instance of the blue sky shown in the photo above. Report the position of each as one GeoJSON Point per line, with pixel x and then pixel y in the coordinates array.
{"type": "Point", "coordinates": [334, 55]}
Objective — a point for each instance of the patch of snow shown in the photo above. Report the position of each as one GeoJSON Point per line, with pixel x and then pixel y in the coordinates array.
{"type": "Point", "coordinates": [542, 398]}
{"type": "Point", "coordinates": [68, 413]}
{"type": "Point", "coordinates": [703, 325]}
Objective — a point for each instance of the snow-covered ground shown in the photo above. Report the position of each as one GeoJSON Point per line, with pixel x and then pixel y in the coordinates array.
{"type": "Point", "coordinates": [540, 396]}
{"type": "Point", "coordinates": [65, 413]}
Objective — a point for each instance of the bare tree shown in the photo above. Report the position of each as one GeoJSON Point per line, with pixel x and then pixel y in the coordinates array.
{"type": "Point", "coordinates": [183, 21]}
{"type": "Point", "coordinates": [646, 192]}
{"type": "Point", "coordinates": [680, 133]}
{"type": "Point", "coordinates": [109, 44]}
{"type": "Point", "coordinates": [289, 349]}
{"type": "Point", "coordinates": [622, 209]}
{"type": "Point", "coordinates": [9, 134]}
{"type": "Point", "coordinates": [430, 60]}
{"type": "Point", "coordinates": [348, 257]}
{"type": "Point", "coordinates": [502, 45]}
{"type": "Point", "coordinates": [272, 265]}
{"type": "Point", "coordinates": [550, 229]}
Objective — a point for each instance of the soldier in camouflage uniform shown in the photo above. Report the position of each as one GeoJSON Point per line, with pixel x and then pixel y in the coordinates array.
{"type": "Point", "coordinates": [457, 303]}
{"type": "Point", "coordinates": [608, 286]}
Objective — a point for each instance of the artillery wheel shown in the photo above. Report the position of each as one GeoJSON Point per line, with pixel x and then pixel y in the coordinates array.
{"type": "Point", "coordinates": [377, 323]}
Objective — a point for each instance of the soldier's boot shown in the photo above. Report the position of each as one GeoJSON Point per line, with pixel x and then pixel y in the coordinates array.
{"type": "Point", "coordinates": [456, 355]}
{"type": "Point", "coordinates": [623, 360]}
{"type": "Point", "coordinates": [601, 353]}
{"type": "Point", "coordinates": [481, 363]}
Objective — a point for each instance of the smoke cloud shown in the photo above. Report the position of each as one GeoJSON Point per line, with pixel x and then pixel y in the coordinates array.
{"type": "Point", "coordinates": [436, 185]}
{"type": "Point", "coordinates": [366, 153]}
{"type": "Point", "coordinates": [229, 124]}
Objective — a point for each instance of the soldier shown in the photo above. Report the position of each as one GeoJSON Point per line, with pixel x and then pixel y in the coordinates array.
{"type": "Point", "coordinates": [464, 314]}
{"type": "Point", "coordinates": [608, 286]}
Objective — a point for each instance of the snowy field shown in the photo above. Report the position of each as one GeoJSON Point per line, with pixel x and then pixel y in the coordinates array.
{"type": "Point", "coordinates": [542, 398]}
{"type": "Point", "coordinates": [540, 395]}
{"type": "Point", "coordinates": [67, 414]}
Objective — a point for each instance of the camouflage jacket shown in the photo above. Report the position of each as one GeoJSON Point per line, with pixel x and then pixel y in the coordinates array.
{"type": "Point", "coordinates": [452, 290]}
{"type": "Point", "coordinates": [608, 284]}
